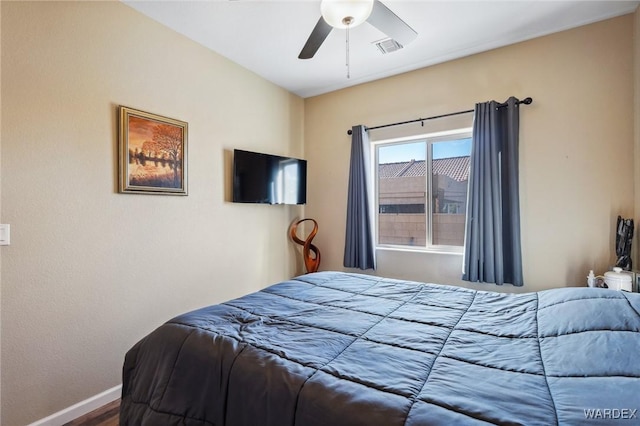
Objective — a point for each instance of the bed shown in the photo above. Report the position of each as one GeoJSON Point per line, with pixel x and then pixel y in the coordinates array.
{"type": "Point", "coordinates": [333, 348]}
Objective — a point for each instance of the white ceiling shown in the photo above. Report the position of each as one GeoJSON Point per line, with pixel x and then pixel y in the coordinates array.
{"type": "Point", "coordinates": [267, 36]}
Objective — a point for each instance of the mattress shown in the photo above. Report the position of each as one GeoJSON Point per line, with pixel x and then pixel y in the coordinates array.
{"type": "Point", "coordinates": [334, 348]}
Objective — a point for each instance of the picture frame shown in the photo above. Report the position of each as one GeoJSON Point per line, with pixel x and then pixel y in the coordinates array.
{"type": "Point", "coordinates": [152, 153]}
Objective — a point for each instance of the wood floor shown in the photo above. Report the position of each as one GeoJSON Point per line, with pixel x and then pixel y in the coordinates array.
{"type": "Point", "coordinates": [107, 415]}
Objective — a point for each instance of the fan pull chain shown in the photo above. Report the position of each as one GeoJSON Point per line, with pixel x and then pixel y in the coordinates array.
{"type": "Point", "coordinates": [348, 67]}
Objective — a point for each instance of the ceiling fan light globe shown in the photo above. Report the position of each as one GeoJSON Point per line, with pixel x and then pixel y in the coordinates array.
{"type": "Point", "coordinates": [346, 13]}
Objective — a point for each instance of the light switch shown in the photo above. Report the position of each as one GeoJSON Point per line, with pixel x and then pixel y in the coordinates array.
{"type": "Point", "coordinates": [5, 234]}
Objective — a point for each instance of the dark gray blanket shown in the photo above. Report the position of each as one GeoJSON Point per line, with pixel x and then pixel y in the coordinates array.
{"type": "Point", "coordinates": [343, 349]}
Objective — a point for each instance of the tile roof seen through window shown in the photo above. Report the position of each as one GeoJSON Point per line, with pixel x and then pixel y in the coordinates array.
{"type": "Point", "coordinates": [457, 168]}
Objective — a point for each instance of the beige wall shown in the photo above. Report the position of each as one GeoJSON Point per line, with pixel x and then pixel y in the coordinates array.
{"type": "Point", "coordinates": [576, 145]}
{"type": "Point", "coordinates": [636, 156]}
{"type": "Point", "coordinates": [91, 271]}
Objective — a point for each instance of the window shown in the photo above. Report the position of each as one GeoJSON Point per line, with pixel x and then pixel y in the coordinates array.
{"type": "Point", "coordinates": [421, 190]}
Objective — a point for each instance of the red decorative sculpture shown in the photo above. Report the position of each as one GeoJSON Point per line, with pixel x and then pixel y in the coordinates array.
{"type": "Point", "coordinates": [310, 262]}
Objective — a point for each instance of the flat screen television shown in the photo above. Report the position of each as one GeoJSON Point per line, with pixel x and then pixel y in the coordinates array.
{"type": "Point", "coordinates": [268, 179]}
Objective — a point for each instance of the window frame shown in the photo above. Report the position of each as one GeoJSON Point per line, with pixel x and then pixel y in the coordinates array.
{"type": "Point", "coordinates": [429, 139]}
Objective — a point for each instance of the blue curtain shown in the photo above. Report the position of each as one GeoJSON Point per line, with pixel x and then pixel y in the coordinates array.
{"type": "Point", "coordinates": [492, 241]}
{"type": "Point", "coordinates": [359, 249]}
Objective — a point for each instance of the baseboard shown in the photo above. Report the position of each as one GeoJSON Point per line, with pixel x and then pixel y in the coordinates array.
{"type": "Point", "coordinates": [81, 408]}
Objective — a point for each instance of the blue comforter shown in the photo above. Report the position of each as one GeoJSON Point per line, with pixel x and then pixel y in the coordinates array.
{"type": "Point", "coordinates": [343, 349]}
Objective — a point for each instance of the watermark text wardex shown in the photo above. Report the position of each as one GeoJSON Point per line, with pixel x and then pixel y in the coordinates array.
{"type": "Point", "coordinates": [611, 413]}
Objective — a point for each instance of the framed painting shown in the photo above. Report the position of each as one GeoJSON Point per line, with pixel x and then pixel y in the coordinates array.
{"type": "Point", "coordinates": [153, 153]}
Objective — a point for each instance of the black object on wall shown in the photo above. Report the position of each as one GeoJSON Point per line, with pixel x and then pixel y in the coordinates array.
{"type": "Point", "coordinates": [268, 179]}
{"type": "Point", "coordinates": [624, 237]}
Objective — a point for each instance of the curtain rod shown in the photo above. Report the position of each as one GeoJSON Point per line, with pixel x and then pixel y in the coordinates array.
{"type": "Point", "coordinates": [526, 101]}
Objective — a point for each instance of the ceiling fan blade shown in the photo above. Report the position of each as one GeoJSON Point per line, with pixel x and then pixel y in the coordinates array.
{"type": "Point", "coordinates": [388, 22]}
{"type": "Point", "coordinates": [319, 33]}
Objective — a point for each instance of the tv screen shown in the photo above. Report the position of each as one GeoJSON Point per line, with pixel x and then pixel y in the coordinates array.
{"type": "Point", "coordinates": [268, 179]}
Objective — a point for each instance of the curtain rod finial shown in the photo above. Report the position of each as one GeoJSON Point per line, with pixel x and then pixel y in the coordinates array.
{"type": "Point", "coordinates": [527, 101]}
{"type": "Point", "coordinates": [349, 132]}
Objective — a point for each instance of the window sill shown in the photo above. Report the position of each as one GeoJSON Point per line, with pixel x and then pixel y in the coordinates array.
{"type": "Point", "coordinates": [454, 251]}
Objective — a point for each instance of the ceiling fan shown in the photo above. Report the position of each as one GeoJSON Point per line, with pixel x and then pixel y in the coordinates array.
{"type": "Point", "coordinates": [347, 14]}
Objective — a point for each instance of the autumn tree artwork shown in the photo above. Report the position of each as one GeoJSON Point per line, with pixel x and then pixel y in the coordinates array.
{"type": "Point", "coordinates": [154, 158]}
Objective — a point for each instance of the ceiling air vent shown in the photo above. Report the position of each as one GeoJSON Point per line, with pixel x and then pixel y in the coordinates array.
{"type": "Point", "coordinates": [387, 45]}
